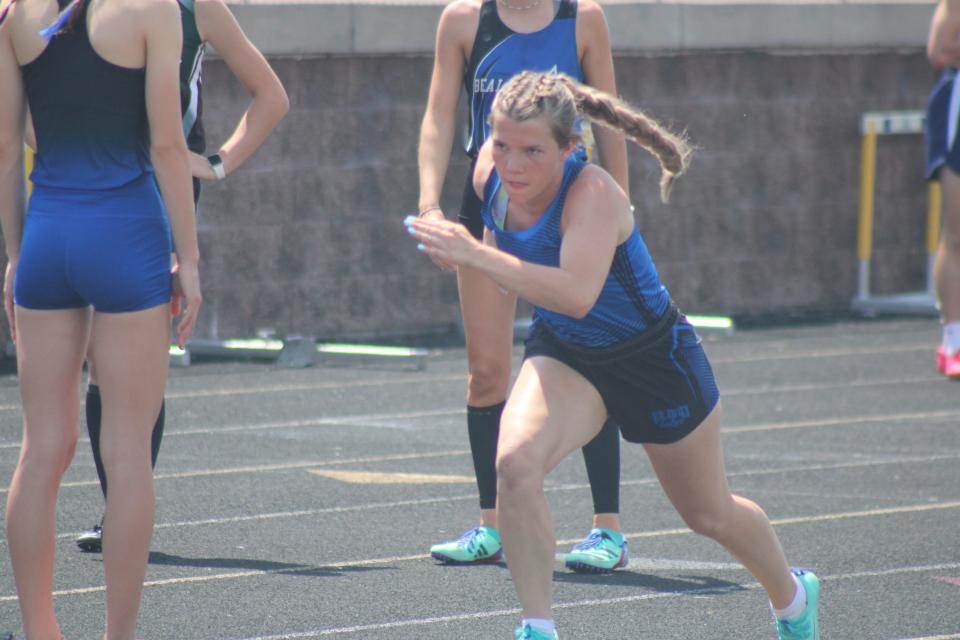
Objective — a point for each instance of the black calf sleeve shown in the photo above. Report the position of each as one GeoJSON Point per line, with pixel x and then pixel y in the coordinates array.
{"type": "Point", "coordinates": [94, 411]}
{"type": "Point", "coordinates": [483, 426]}
{"type": "Point", "coordinates": [602, 457]}
{"type": "Point", "coordinates": [157, 437]}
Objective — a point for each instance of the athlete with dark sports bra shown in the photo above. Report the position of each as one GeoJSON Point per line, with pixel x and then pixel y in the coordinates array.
{"type": "Point", "coordinates": [91, 259]}
{"type": "Point", "coordinates": [480, 45]}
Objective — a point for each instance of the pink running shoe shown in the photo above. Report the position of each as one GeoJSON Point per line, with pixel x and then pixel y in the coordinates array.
{"type": "Point", "coordinates": [948, 365]}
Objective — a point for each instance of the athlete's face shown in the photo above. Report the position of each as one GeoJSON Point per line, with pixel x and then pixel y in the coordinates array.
{"type": "Point", "coordinates": [528, 159]}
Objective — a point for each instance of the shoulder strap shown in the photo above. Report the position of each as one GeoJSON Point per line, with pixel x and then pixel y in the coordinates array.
{"type": "Point", "coordinates": [567, 10]}
{"type": "Point", "coordinates": [489, 18]}
{"type": "Point", "coordinates": [67, 8]}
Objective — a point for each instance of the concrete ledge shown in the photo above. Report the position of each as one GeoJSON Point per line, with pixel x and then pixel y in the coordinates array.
{"type": "Point", "coordinates": [319, 27]}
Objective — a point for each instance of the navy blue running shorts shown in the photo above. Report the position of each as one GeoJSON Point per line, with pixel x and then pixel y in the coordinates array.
{"type": "Point", "coordinates": [943, 122]}
{"type": "Point", "coordinates": [658, 386]}
{"type": "Point", "coordinates": [109, 249]}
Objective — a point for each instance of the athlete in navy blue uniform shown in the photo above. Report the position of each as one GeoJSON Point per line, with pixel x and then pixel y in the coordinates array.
{"type": "Point", "coordinates": [481, 44]}
{"type": "Point", "coordinates": [943, 163]}
{"type": "Point", "coordinates": [607, 341]}
{"type": "Point", "coordinates": [91, 258]}
{"type": "Point", "coordinates": [202, 21]}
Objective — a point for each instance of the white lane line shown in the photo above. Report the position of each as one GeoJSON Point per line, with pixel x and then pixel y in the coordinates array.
{"type": "Point", "coordinates": [287, 466]}
{"type": "Point", "coordinates": [333, 566]}
{"type": "Point", "coordinates": [824, 386]}
{"type": "Point", "coordinates": [318, 386]}
{"type": "Point", "coordinates": [579, 604]}
{"type": "Point", "coordinates": [312, 386]}
{"type": "Point", "coordinates": [850, 420]}
{"type": "Point", "coordinates": [472, 496]}
{"type": "Point", "coordinates": [270, 468]}
{"type": "Point", "coordinates": [395, 477]}
{"type": "Point", "coordinates": [288, 388]}
{"type": "Point", "coordinates": [388, 421]}
{"type": "Point", "coordinates": [954, 636]}
{"type": "Point", "coordinates": [379, 420]}
{"type": "Point", "coordinates": [790, 353]}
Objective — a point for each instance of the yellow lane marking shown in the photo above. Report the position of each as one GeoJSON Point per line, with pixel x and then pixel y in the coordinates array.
{"type": "Point", "coordinates": [375, 477]}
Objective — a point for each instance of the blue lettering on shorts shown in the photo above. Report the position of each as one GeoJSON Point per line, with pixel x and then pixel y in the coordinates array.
{"type": "Point", "coordinates": [671, 418]}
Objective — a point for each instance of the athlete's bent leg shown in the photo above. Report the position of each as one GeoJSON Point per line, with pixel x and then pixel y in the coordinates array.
{"type": "Point", "coordinates": [692, 474]}
{"type": "Point", "coordinates": [552, 411]}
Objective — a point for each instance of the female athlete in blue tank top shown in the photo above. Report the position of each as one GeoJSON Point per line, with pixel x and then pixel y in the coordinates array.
{"type": "Point", "coordinates": [607, 341]}
{"type": "Point", "coordinates": [91, 257]}
{"type": "Point", "coordinates": [499, 53]}
{"type": "Point", "coordinates": [480, 45]}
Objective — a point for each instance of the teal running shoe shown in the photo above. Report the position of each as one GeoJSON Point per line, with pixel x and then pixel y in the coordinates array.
{"type": "Point", "coordinates": [602, 551]}
{"type": "Point", "coordinates": [806, 626]}
{"type": "Point", "coordinates": [477, 546]}
{"type": "Point", "coordinates": [527, 632]}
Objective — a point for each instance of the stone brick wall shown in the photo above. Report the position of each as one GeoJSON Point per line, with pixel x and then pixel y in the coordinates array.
{"type": "Point", "coordinates": [307, 237]}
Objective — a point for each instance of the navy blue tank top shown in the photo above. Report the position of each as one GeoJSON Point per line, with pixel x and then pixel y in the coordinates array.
{"type": "Point", "coordinates": [191, 79]}
{"type": "Point", "coordinates": [632, 299]}
{"type": "Point", "coordinates": [500, 53]}
{"type": "Point", "coordinates": [90, 115]}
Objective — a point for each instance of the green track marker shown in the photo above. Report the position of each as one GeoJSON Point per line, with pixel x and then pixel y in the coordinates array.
{"type": "Point", "coordinates": [371, 350]}
{"type": "Point", "coordinates": [718, 323]}
{"type": "Point", "coordinates": [253, 344]}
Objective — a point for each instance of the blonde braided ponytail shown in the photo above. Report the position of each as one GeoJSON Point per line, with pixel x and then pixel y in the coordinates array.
{"type": "Point", "coordinates": [559, 97]}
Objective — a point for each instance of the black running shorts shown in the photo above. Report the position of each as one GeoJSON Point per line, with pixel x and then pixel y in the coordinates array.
{"type": "Point", "coordinates": [658, 386]}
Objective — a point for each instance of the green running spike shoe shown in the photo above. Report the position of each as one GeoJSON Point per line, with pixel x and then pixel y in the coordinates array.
{"type": "Point", "coordinates": [602, 551]}
{"type": "Point", "coordinates": [477, 546]}
{"type": "Point", "coordinates": [527, 632]}
{"type": "Point", "coordinates": [806, 626]}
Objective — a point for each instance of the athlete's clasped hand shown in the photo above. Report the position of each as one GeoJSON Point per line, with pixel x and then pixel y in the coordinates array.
{"type": "Point", "coordinates": [442, 240]}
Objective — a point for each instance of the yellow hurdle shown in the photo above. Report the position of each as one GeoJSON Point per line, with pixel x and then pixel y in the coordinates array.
{"type": "Point", "coordinates": [868, 172]}
{"type": "Point", "coordinates": [873, 125]}
{"type": "Point", "coordinates": [933, 230]}
{"type": "Point", "coordinates": [28, 167]}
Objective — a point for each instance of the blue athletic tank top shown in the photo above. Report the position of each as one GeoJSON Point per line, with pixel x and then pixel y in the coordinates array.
{"type": "Point", "coordinates": [632, 298]}
{"type": "Point", "coordinates": [89, 114]}
{"type": "Point", "coordinates": [499, 54]}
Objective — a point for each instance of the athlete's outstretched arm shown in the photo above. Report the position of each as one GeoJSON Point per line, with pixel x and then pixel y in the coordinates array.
{"type": "Point", "coordinates": [595, 216]}
{"type": "Point", "coordinates": [943, 43]}
{"type": "Point", "coordinates": [12, 114]}
{"type": "Point", "coordinates": [439, 120]}
{"type": "Point", "coordinates": [598, 72]}
{"type": "Point", "coordinates": [218, 26]}
{"type": "Point", "coordinates": [168, 148]}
